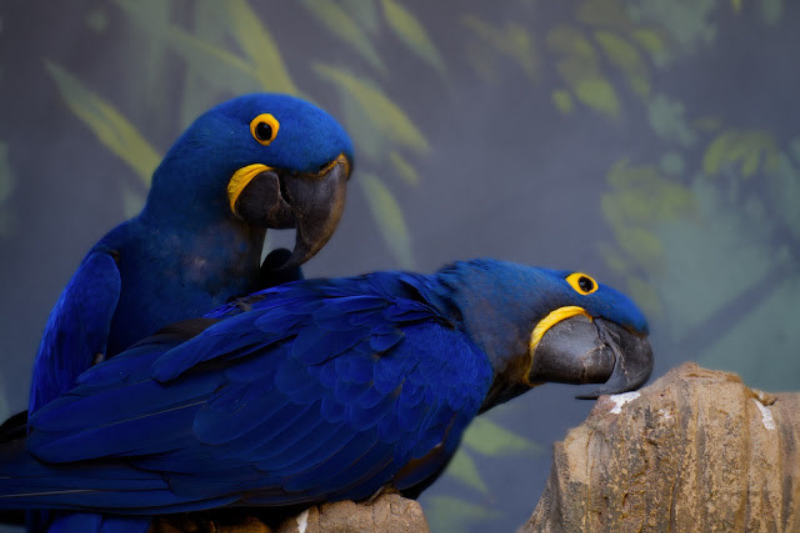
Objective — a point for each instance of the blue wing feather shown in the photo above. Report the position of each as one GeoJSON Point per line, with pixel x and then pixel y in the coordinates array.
{"type": "Point", "coordinates": [78, 327]}
{"type": "Point", "coordinates": [241, 414]}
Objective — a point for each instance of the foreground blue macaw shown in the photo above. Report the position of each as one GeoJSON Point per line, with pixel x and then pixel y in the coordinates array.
{"type": "Point", "coordinates": [319, 390]}
{"type": "Point", "coordinates": [256, 162]}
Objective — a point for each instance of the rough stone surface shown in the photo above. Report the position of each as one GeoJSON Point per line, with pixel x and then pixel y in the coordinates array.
{"type": "Point", "coordinates": [695, 451]}
{"type": "Point", "coordinates": [388, 513]}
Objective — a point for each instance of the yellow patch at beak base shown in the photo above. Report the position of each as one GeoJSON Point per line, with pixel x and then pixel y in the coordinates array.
{"type": "Point", "coordinates": [562, 313]}
{"type": "Point", "coordinates": [240, 179]}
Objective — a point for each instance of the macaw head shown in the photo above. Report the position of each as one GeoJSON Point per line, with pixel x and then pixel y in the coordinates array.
{"type": "Point", "coordinates": [538, 325]}
{"type": "Point", "coordinates": [266, 160]}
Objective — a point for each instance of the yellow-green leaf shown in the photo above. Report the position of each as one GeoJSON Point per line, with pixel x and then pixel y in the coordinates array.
{"type": "Point", "coordinates": [486, 437]}
{"type": "Point", "coordinates": [338, 22]}
{"type": "Point", "coordinates": [512, 41]}
{"type": "Point", "coordinates": [107, 123]}
{"type": "Point", "coordinates": [406, 26]}
{"type": "Point", "coordinates": [563, 101]}
{"type": "Point", "coordinates": [404, 168]}
{"type": "Point", "coordinates": [650, 40]}
{"type": "Point", "coordinates": [598, 94]}
{"type": "Point", "coordinates": [464, 469]}
{"type": "Point", "coordinates": [260, 47]}
{"type": "Point", "coordinates": [625, 57]}
{"type": "Point", "coordinates": [390, 219]}
{"type": "Point", "coordinates": [737, 5]}
{"type": "Point", "coordinates": [392, 122]}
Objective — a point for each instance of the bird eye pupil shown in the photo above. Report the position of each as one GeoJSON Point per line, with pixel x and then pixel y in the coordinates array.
{"type": "Point", "coordinates": [585, 284]}
{"type": "Point", "coordinates": [264, 131]}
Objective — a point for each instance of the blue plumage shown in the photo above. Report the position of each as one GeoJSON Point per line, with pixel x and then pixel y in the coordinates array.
{"type": "Point", "coordinates": [311, 391]}
{"type": "Point", "coordinates": [189, 251]}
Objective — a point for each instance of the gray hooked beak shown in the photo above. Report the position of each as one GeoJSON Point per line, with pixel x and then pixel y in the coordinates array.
{"type": "Point", "coordinates": [580, 350]}
{"type": "Point", "coordinates": [310, 202]}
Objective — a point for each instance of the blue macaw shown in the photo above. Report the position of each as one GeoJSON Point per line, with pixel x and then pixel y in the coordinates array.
{"type": "Point", "coordinates": [319, 390]}
{"type": "Point", "coordinates": [256, 162]}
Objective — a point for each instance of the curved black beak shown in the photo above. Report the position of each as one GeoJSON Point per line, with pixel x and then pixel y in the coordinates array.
{"type": "Point", "coordinates": [578, 350]}
{"type": "Point", "coordinates": [311, 203]}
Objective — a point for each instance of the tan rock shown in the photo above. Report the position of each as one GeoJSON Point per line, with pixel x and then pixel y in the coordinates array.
{"type": "Point", "coordinates": [695, 451]}
{"type": "Point", "coordinates": [389, 512]}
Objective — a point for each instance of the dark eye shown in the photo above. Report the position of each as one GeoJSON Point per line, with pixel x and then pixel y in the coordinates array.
{"type": "Point", "coordinates": [263, 131]}
{"type": "Point", "coordinates": [264, 128]}
{"type": "Point", "coordinates": [582, 283]}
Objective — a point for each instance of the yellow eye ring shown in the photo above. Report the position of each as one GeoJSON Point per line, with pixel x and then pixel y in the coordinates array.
{"type": "Point", "coordinates": [582, 283]}
{"type": "Point", "coordinates": [264, 128]}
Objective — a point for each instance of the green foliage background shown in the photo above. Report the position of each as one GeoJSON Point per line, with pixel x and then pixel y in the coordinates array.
{"type": "Point", "coordinates": [654, 143]}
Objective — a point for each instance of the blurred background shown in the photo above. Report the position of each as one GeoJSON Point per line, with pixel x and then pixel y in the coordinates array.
{"type": "Point", "coordinates": [654, 144]}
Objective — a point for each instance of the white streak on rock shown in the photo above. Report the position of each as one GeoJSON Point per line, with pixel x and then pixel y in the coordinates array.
{"type": "Point", "coordinates": [302, 521]}
{"type": "Point", "coordinates": [621, 399]}
{"type": "Point", "coordinates": [766, 415]}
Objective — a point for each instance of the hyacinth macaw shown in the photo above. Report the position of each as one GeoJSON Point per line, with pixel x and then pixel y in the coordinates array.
{"type": "Point", "coordinates": [255, 162]}
{"type": "Point", "coordinates": [319, 390]}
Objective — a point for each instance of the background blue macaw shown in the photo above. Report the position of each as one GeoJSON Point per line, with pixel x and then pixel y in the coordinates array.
{"type": "Point", "coordinates": [319, 390]}
{"type": "Point", "coordinates": [256, 162]}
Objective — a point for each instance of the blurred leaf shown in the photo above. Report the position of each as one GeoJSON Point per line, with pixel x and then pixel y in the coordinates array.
{"type": "Point", "coordinates": [403, 168]}
{"type": "Point", "coordinates": [563, 101]}
{"type": "Point", "coordinates": [579, 69]}
{"type": "Point", "coordinates": [625, 57]}
{"type": "Point", "coordinates": [598, 94]}
{"type": "Point", "coordinates": [222, 68]}
{"type": "Point", "coordinates": [365, 12]}
{"type": "Point", "coordinates": [7, 183]}
{"type": "Point", "coordinates": [640, 196]}
{"type": "Point", "coordinates": [463, 468]}
{"type": "Point", "coordinates": [512, 41]}
{"type": "Point", "coordinates": [371, 142]}
{"type": "Point", "coordinates": [389, 216]}
{"type": "Point", "coordinates": [745, 147]}
{"type": "Point", "coordinates": [406, 26]}
{"type": "Point", "coordinates": [686, 24]}
{"type": "Point", "coordinates": [331, 15]}
{"type": "Point", "coordinates": [259, 46]}
{"type": "Point", "coordinates": [108, 124]}
{"type": "Point", "coordinates": [447, 514]}
{"type": "Point", "coordinates": [737, 5]}
{"type": "Point", "coordinates": [650, 40]}
{"type": "Point", "coordinates": [486, 437]}
{"type": "Point", "coordinates": [387, 116]}
{"type": "Point", "coordinates": [668, 121]}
